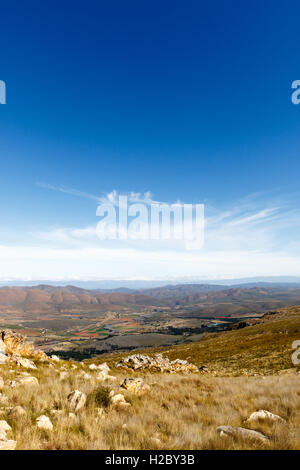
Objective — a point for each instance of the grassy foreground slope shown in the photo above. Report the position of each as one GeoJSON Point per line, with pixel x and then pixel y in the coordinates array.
{"type": "Point", "coordinates": [264, 348]}
{"type": "Point", "coordinates": [179, 411]}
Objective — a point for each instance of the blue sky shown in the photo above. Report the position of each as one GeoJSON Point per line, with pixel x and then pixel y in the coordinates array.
{"type": "Point", "coordinates": [188, 100]}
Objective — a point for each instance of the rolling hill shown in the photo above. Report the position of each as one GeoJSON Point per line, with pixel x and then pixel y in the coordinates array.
{"type": "Point", "coordinates": [255, 347]}
{"type": "Point", "coordinates": [51, 299]}
{"type": "Point", "coordinates": [190, 299]}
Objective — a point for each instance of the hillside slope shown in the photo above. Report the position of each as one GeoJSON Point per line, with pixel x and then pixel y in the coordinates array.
{"type": "Point", "coordinates": [48, 403]}
{"type": "Point", "coordinates": [263, 348]}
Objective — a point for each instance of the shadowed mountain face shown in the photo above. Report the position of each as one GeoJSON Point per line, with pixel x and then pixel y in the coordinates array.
{"type": "Point", "coordinates": [207, 300]}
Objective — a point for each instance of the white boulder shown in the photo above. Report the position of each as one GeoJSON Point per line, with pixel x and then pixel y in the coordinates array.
{"type": "Point", "coordinates": [43, 422]}
{"type": "Point", "coordinates": [76, 400]}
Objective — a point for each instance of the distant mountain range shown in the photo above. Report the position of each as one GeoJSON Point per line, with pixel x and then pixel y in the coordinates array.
{"type": "Point", "coordinates": [198, 299]}
{"type": "Point", "coordinates": [128, 285]}
{"type": "Point", "coordinates": [55, 299]}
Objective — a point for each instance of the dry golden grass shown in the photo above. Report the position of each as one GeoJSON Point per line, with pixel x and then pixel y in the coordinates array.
{"type": "Point", "coordinates": [249, 369]}
{"type": "Point", "coordinates": [182, 411]}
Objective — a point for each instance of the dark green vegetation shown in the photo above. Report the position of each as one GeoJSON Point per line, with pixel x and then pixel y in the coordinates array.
{"type": "Point", "coordinates": [99, 397]}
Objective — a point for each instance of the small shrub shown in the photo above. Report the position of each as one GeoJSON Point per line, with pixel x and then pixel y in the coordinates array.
{"type": "Point", "coordinates": [99, 397]}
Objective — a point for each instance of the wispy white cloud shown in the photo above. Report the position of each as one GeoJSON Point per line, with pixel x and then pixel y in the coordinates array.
{"type": "Point", "coordinates": [65, 190]}
{"type": "Point", "coordinates": [255, 236]}
{"type": "Point", "coordinates": [262, 215]}
{"type": "Point", "coordinates": [111, 197]}
{"type": "Point", "coordinates": [249, 224]}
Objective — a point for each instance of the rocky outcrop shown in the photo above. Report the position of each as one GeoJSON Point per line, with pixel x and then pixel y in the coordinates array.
{"type": "Point", "coordinates": [14, 344]}
{"type": "Point", "coordinates": [156, 363]}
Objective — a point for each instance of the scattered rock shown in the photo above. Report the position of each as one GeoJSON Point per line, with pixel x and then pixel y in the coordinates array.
{"type": "Point", "coordinates": [85, 376]}
{"type": "Point", "coordinates": [55, 358]}
{"type": "Point", "coordinates": [6, 444]}
{"type": "Point", "coordinates": [118, 402]}
{"type": "Point", "coordinates": [111, 378]}
{"type": "Point", "coordinates": [56, 413]}
{"type": "Point", "coordinates": [17, 412]}
{"type": "Point", "coordinates": [23, 362]}
{"type": "Point", "coordinates": [3, 358]}
{"type": "Point", "coordinates": [4, 427]}
{"type": "Point", "coordinates": [63, 375]}
{"type": "Point", "coordinates": [76, 400]}
{"type": "Point", "coordinates": [2, 352]}
{"type": "Point", "coordinates": [263, 415]}
{"type": "Point", "coordinates": [1, 383]}
{"type": "Point", "coordinates": [156, 362]}
{"type": "Point", "coordinates": [2, 346]}
{"type": "Point", "coordinates": [135, 386]}
{"type": "Point", "coordinates": [103, 367]}
{"type": "Point", "coordinates": [27, 380]}
{"type": "Point", "coordinates": [103, 372]}
{"type": "Point", "coordinates": [93, 367]}
{"type": "Point", "coordinates": [101, 376]}
{"type": "Point", "coordinates": [43, 422]}
{"type": "Point", "coordinates": [242, 433]}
